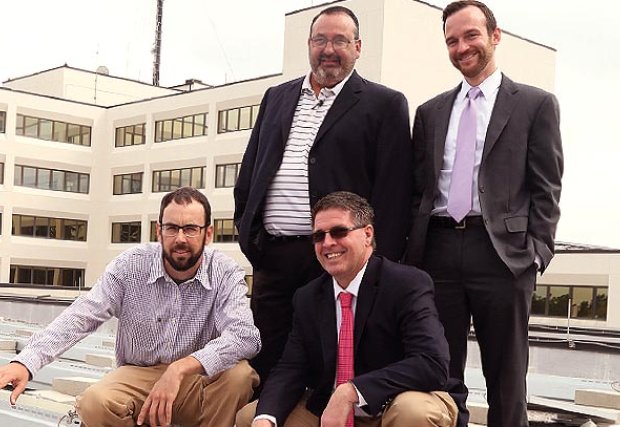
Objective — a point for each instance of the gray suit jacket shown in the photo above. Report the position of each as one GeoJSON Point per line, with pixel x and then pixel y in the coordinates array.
{"type": "Point", "coordinates": [520, 175]}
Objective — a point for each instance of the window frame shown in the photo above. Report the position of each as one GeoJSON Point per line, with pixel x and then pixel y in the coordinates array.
{"type": "Point", "coordinates": [32, 127]}
{"type": "Point", "coordinates": [82, 179]}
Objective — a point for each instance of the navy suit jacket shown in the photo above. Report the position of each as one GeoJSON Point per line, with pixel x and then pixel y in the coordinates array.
{"type": "Point", "coordinates": [520, 174]}
{"type": "Point", "coordinates": [399, 343]}
{"type": "Point", "coordinates": [363, 146]}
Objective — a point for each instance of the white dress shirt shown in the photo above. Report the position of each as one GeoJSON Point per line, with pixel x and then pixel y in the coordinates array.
{"type": "Point", "coordinates": [484, 107]}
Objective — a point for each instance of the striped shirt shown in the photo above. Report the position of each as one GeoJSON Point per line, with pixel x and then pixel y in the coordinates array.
{"type": "Point", "coordinates": [287, 203]}
{"type": "Point", "coordinates": [207, 317]}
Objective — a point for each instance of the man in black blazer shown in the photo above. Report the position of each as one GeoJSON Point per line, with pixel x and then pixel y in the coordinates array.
{"type": "Point", "coordinates": [400, 354]}
{"type": "Point", "coordinates": [330, 130]}
{"type": "Point", "coordinates": [484, 264]}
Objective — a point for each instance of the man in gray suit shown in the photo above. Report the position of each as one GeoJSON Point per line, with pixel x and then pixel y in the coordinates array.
{"type": "Point", "coordinates": [485, 208]}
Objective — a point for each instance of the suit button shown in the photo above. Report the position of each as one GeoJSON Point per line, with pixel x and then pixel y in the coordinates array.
{"type": "Point", "coordinates": [482, 188]}
{"type": "Point", "coordinates": [312, 160]}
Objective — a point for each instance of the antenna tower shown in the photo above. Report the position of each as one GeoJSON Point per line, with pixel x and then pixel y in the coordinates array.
{"type": "Point", "coordinates": [157, 47]}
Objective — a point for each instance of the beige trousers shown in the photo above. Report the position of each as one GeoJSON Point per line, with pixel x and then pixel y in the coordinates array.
{"type": "Point", "coordinates": [202, 401]}
{"type": "Point", "coordinates": [411, 409]}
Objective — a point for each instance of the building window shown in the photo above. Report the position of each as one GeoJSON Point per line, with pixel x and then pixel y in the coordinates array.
{"type": "Point", "coordinates": [181, 127]}
{"type": "Point", "coordinates": [224, 231]}
{"type": "Point", "coordinates": [235, 119]}
{"type": "Point", "coordinates": [585, 302]}
{"type": "Point", "coordinates": [226, 175]}
{"type": "Point", "coordinates": [171, 179]}
{"type": "Point", "coordinates": [130, 135]}
{"type": "Point", "coordinates": [1, 173]}
{"type": "Point", "coordinates": [2, 121]}
{"type": "Point", "coordinates": [128, 183]}
{"type": "Point", "coordinates": [51, 179]}
{"type": "Point", "coordinates": [52, 130]}
{"type": "Point", "coordinates": [153, 232]}
{"type": "Point", "coordinates": [49, 228]}
{"type": "Point", "coordinates": [126, 232]}
{"type": "Point", "coordinates": [47, 276]}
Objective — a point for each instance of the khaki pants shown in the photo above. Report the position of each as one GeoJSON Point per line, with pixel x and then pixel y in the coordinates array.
{"type": "Point", "coordinates": [411, 409]}
{"type": "Point", "coordinates": [117, 399]}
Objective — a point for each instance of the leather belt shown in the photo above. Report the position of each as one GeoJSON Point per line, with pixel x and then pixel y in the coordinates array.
{"type": "Point", "coordinates": [286, 239]}
{"type": "Point", "coordinates": [449, 222]}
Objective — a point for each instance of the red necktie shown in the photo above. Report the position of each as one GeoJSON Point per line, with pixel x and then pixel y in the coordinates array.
{"type": "Point", "coordinates": [344, 370]}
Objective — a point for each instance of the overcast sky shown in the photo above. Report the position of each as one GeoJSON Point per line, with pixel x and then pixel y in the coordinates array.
{"type": "Point", "coordinates": [220, 41]}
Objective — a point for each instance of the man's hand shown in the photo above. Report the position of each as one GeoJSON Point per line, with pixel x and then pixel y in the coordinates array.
{"type": "Point", "coordinates": [158, 404]}
{"type": "Point", "coordinates": [16, 374]}
{"type": "Point", "coordinates": [340, 404]}
{"type": "Point", "coordinates": [262, 423]}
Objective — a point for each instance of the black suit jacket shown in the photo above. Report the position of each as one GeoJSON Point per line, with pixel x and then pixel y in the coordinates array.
{"type": "Point", "coordinates": [520, 175]}
{"type": "Point", "coordinates": [362, 146]}
{"type": "Point", "coordinates": [399, 342]}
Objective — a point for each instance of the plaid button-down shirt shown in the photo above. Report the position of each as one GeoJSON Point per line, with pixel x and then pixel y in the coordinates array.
{"type": "Point", "coordinates": [158, 321]}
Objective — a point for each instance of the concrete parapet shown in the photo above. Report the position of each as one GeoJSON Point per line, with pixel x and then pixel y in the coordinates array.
{"type": "Point", "coordinates": [72, 385]}
{"type": "Point", "coordinates": [108, 343]}
{"type": "Point", "coordinates": [100, 360]}
{"type": "Point", "coordinates": [477, 413]}
{"type": "Point", "coordinates": [599, 398]}
{"type": "Point", "coordinates": [8, 345]}
{"type": "Point", "coordinates": [33, 401]}
{"type": "Point", "coordinates": [54, 396]}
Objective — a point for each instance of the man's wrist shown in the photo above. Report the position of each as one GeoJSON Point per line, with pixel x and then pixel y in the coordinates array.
{"type": "Point", "coordinates": [263, 418]}
{"type": "Point", "coordinates": [184, 367]}
{"type": "Point", "coordinates": [349, 392]}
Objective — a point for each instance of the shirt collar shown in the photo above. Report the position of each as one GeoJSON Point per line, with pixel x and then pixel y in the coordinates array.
{"type": "Point", "coordinates": [307, 87]}
{"type": "Point", "coordinates": [354, 286]}
{"type": "Point", "coordinates": [487, 87]}
{"type": "Point", "coordinates": [158, 272]}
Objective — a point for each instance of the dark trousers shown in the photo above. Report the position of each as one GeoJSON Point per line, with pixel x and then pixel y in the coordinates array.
{"type": "Point", "coordinates": [285, 266]}
{"type": "Point", "coordinates": [472, 282]}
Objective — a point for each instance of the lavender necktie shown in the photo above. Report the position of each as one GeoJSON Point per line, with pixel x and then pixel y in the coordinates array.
{"type": "Point", "coordinates": [460, 194]}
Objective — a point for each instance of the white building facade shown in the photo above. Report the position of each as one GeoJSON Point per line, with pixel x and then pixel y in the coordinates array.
{"type": "Point", "coordinates": [86, 157]}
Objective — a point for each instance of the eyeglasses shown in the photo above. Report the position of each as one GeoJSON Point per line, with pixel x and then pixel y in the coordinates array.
{"type": "Point", "coordinates": [190, 230]}
{"type": "Point", "coordinates": [338, 232]}
{"type": "Point", "coordinates": [338, 43]}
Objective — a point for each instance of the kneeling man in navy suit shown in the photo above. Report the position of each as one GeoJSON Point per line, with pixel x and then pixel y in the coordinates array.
{"type": "Point", "coordinates": [367, 347]}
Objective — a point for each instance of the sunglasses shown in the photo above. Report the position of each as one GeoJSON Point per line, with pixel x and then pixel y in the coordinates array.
{"type": "Point", "coordinates": [338, 232]}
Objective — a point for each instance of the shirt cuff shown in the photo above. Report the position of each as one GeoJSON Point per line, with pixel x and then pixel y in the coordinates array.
{"type": "Point", "coordinates": [360, 399]}
{"type": "Point", "coordinates": [538, 262]}
{"type": "Point", "coordinates": [268, 418]}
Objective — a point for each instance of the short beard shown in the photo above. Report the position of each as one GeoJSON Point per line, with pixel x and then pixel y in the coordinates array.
{"type": "Point", "coordinates": [186, 265]}
{"type": "Point", "coordinates": [326, 78]}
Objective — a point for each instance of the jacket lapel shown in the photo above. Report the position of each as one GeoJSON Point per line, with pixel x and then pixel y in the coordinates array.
{"type": "Point", "coordinates": [504, 104]}
{"type": "Point", "coordinates": [346, 99]}
{"type": "Point", "coordinates": [289, 105]}
{"type": "Point", "coordinates": [327, 323]}
{"type": "Point", "coordinates": [366, 298]}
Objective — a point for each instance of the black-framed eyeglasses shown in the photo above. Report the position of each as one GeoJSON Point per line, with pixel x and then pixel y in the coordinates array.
{"type": "Point", "coordinates": [337, 232]}
{"type": "Point", "coordinates": [338, 43]}
{"type": "Point", "coordinates": [189, 230]}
